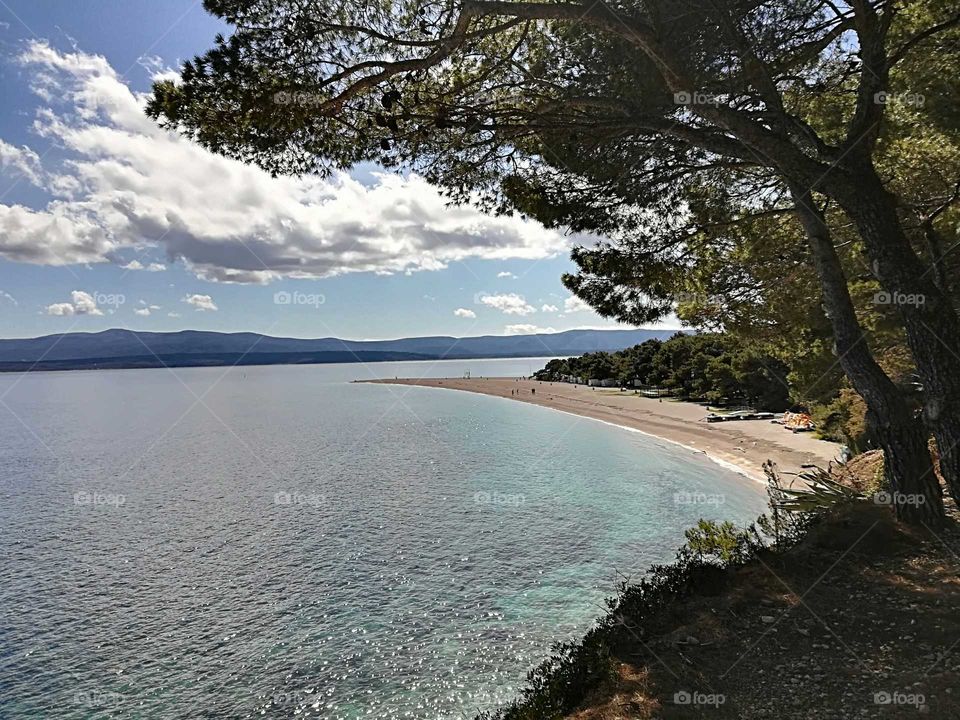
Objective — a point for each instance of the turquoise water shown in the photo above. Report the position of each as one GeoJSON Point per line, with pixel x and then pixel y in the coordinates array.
{"type": "Point", "coordinates": [278, 542]}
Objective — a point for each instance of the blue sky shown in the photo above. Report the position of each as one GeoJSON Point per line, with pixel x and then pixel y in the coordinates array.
{"type": "Point", "coordinates": [108, 221]}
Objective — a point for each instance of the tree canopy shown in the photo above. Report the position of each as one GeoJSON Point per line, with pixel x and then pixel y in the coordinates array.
{"type": "Point", "coordinates": [681, 134]}
{"type": "Point", "coordinates": [713, 367]}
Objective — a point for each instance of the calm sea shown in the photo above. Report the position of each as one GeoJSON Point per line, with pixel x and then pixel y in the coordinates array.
{"type": "Point", "coordinates": [275, 541]}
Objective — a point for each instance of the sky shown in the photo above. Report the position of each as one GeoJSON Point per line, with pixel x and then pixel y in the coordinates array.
{"type": "Point", "coordinates": [106, 220]}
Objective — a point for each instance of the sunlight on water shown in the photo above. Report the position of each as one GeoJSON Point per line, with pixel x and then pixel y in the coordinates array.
{"type": "Point", "coordinates": [273, 541]}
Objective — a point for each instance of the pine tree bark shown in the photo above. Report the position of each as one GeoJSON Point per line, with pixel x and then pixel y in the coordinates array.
{"type": "Point", "coordinates": [914, 489]}
{"type": "Point", "coordinates": [930, 320]}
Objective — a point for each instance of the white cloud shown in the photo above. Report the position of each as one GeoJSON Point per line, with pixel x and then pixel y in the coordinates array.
{"type": "Point", "coordinates": [509, 304]}
{"type": "Point", "coordinates": [525, 329]}
{"type": "Point", "coordinates": [549, 308]}
{"type": "Point", "coordinates": [82, 303]}
{"type": "Point", "coordinates": [23, 161]}
{"type": "Point", "coordinates": [137, 265]}
{"type": "Point", "coordinates": [573, 304]}
{"type": "Point", "coordinates": [60, 235]}
{"type": "Point", "coordinates": [127, 184]}
{"type": "Point", "coordinates": [464, 313]}
{"type": "Point", "coordinates": [60, 309]}
{"type": "Point", "coordinates": [143, 312]}
{"type": "Point", "coordinates": [200, 302]}
{"type": "Point", "coordinates": [8, 297]}
{"type": "Point", "coordinates": [506, 274]}
{"type": "Point", "coordinates": [173, 314]}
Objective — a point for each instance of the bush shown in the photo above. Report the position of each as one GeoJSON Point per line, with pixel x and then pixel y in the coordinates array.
{"type": "Point", "coordinates": [844, 420]}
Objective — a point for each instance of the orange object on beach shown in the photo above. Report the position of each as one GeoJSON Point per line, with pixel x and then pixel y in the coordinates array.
{"type": "Point", "coordinates": [797, 421]}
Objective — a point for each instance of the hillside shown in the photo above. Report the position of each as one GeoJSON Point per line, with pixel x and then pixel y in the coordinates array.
{"type": "Point", "coordinates": [126, 348]}
{"type": "Point", "coordinates": [856, 620]}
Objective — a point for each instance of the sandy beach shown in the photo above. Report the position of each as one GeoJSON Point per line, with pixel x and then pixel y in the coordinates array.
{"type": "Point", "coordinates": [744, 444]}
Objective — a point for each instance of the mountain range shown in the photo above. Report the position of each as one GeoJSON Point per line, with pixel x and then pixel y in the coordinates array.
{"type": "Point", "coordinates": [119, 348]}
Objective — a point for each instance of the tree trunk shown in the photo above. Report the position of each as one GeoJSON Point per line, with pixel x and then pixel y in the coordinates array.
{"type": "Point", "coordinates": [922, 500]}
{"type": "Point", "coordinates": [914, 489]}
{"type": "Point", "coordinates": [935, 248]}
{"type": "Point", "coordinates": [931, 323]}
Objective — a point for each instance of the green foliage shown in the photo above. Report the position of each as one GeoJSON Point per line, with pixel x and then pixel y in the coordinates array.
{"type": "Point", "coordinates": [844, 420]}
{"type": "Point", "coordinates": [819, 492]}
{"type": "Point", "coordinates": [719, 542]}
{"type": "Point", "coordinates": [709, 366]}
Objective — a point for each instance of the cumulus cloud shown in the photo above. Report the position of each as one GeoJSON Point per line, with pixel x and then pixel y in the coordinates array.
{"type": "Point", "coordinates": [506, 274]}
{"type": "Point", "coordinates": [525, 329]}
{"type": "Point", "coordinates": [200, 302]}
{"type": "Point", "coordinates": [128, 184]}
{"type": "Point", "coordinates": [464, 313]}
{"type": "Point", "coordinates": [549, 308]}
{"type": "Point", "coordinates": [173, 314]}
{"type": "Point", "coordinates": [508, 304]}
{"type": "Point", "coordinates": [60, 309]}
{"type": "Point", "coordinates": [151, 267]}
{"type": "Point", "coordinates": [573, 304]}
{"type": "Point", "coordinates": [82, 303]}
{"type": "Point", "coordinates": [59, 235]}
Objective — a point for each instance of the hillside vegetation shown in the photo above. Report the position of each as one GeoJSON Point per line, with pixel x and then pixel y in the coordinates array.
{"type": "Point", "coordinates": [839, 613]}
{"type": "Point", "coordinates": [711, 367]}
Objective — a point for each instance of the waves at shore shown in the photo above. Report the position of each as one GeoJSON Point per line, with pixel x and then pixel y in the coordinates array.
{"type": "Point", "coordinates": [743, 446]}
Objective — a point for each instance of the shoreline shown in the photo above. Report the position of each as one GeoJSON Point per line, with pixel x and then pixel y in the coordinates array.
{"type": "Point", "coordinates": [740, 469]}
{"type": "Point", "coordinates": [740, 446]}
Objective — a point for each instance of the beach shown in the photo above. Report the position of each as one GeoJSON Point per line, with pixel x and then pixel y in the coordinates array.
{"type": "Point", "coordinates": [743, 445]}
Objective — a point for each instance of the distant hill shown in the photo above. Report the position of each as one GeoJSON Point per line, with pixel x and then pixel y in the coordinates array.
{"type": "Point", "coordinates": [129, 349]}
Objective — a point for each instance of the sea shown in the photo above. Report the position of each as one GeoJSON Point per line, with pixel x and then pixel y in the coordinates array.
{"type": "Point", "coordinates": [280, 541]}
